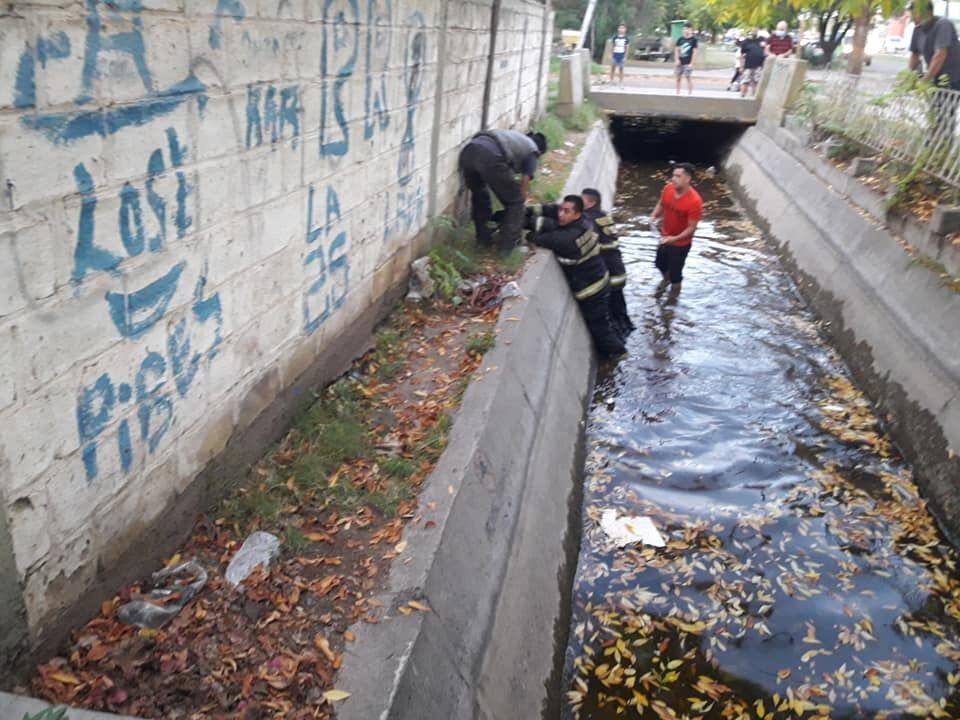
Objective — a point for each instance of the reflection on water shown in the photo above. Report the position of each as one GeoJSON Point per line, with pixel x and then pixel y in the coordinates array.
{"type": "Point", "coordinates": [803, 576]}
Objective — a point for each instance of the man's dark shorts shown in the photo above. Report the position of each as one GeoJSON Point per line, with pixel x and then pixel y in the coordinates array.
{"type": "Point", "coordinates": [671, 259]}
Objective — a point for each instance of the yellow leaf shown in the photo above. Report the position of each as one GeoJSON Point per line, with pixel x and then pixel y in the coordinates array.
{"type": "Point", "coordinates": [418, 606]}
{"type": "Point", "coordinates": [174, 560]}
{"type": "Point", "coordinates": [316, 536]}
{"type": "Point", "coordinates": [349, 636]}
{"type": "Point", "coordinates": [674, 664]}
{"type": "Point", "coordinates": [332, 696]}
{"type": "Point", "coordinates": [65, 678]}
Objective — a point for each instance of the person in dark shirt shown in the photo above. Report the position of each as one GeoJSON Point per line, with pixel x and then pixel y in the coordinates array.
{"type": "Point", "coordinates": [751, 58]}
{"type": "Point", "coordinates": [684, 55]}
{"type": "Point", "coordinates": [493, 159]}
{"type": "Point", "coordinates": [935, 40]}
{"type": "Point", "coordinates": [564, 230]}
{"type": "Point", "coordinates": [612, 258]}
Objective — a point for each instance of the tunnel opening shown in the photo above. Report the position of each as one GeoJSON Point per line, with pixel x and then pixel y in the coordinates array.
{"type": "Point", "coordinates": [646, 139]}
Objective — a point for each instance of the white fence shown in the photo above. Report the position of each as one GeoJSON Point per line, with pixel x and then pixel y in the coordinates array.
{"type": "Point", "coordinates": [917, 127]}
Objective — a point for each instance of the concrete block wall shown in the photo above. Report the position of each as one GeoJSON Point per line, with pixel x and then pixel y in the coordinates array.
{"type": "Point", "coordinates": [199, 198]}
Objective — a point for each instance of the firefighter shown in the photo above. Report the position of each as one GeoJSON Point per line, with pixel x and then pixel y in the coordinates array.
{"type": "Point", "coordinates": [493, 159]}
{"type": "Point", "coordinates": [577, 248]}
{"type": "Point", "coordinates": [610, 252]}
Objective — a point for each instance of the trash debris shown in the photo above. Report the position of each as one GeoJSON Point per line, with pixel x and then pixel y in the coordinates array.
{"type": "Point", "coordinates": [470, 284]}
{"type": "Point", "coordinates": [258, 549]}
{"type": "Point", "coordinates": [168, 600]}
{"type": "Point", "coordinates": [510, 290]}
{"type": "Point", "coordinates": [629, 529]}
{"type": "Point", "coordinates": [421, 284]}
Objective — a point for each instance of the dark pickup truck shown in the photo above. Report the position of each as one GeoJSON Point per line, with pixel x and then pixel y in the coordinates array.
{"type": "Point", "coordinates": [651, 48]}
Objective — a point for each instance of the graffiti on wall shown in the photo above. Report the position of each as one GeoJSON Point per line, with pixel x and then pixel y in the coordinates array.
{"type": "Point", "coordinates": [172, 320]}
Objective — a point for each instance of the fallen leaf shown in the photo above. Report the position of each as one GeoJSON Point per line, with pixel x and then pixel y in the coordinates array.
{"type": "Point", "coordinates": [332, 696]}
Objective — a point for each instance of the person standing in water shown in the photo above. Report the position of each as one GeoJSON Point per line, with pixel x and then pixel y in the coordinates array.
{"type": "Point", "coordinates": [681, 207]}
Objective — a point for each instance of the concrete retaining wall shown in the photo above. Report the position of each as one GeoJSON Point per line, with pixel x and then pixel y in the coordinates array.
{"type": "Point", "coordinates": [897, 326]}
{"type": "Point", "coordinates": [204, 208]}
{"type": "Point", "coordinates": [496, 569]}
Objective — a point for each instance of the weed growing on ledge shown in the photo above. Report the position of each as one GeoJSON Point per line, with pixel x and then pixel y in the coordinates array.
{"type": "Point", "coordinates": [480, 343]}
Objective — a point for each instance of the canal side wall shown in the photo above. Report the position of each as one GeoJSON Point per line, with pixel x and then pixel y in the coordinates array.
{"type": "Point", "coordinates": [896, 325]}
{"type": "Point", "coordinates": [204, 209]}
{"type": "Point", "coordinates": [493, 552]}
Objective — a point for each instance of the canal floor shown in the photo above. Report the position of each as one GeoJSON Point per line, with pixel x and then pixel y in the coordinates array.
{"type": "Point", "coordinates": [802, 576]}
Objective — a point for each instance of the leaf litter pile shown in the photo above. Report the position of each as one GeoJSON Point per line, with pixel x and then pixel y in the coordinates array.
{"type": "Point", "coordinates": [338, 491]}
{"type": "Point", "coordinates": [827, 594]}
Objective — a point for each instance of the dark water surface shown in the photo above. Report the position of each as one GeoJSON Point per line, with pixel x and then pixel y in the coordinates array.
{"type": "Point", "coordinates": [802, 577]}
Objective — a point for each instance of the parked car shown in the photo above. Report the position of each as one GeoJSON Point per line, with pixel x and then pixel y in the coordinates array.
{"type": "Point", "coordinates": [651, 47]}
{"type": "Point", "coordinates": [895, 46]}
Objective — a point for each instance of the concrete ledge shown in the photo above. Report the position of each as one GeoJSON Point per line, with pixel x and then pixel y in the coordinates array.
{"type": "Point", "coordinates": [496, 565]}
{"type": "Point", "coordinates": [896, 325]}
{"type": "Point", "coordinates": [705, 105]}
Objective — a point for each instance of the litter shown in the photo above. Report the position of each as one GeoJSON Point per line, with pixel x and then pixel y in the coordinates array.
{"type": "Point", "coordinates": [628, 529]}
{"type": "Point", "coordinates": [258, 549]}
{"type": "Point", "coordinates": [510, 290]}
{"type": "Point", "coordinates": [173, 596]}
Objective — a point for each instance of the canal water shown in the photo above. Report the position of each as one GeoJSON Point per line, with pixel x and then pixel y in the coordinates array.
{"type": "Point", "coordinates": [802, 576]}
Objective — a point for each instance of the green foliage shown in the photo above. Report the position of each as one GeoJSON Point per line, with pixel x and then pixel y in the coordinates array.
{"type": "Point", "coordinates": [294, 541]}
{"type": "Point", "coordinates": [552, 128]}
{"type": "Point", "coordinates": [582, 118]}
{"type": "Point", "coordinates": [546, 189]}
{"type": "Point", "coordinates": [398, 467]}
{"type": "Point", "coordinates": [479, 343]}
{"type": "Point", "coordinates": [445, 275]}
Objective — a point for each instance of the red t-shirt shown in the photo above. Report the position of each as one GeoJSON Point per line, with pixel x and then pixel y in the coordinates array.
{"type": "Point", "coordinates": [678, 212]}
{"type": "Point", "coordinates": [780, 45]}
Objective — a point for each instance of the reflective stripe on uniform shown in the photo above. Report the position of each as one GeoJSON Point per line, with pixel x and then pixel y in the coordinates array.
{"type": "Point", "coordinates": [603, 221]}
{"type": "Point", "coordinates": [593, 288]}
{"type": "Point", "coordinates": [615, 245]}
{"type": "Point", "coordinates": [618, 280]}
{"type": "Point", "coordinates": [570, 262]}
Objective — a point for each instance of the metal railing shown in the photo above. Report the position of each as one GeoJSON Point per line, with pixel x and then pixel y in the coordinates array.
{"type": "Point", "coordinates": [917, 127]}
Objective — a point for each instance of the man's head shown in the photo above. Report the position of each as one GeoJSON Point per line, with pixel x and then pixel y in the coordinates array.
{"type": "Point", "coordinates": [682, 176]}
{"type": "Point", "coordinates": [540, 140]}
{"type": "Point", "coordinates": [591, 198]}
{"type": "Point", "coordinates": [753, 34]}
{"type": "Point", "coordinates": [921, 11]}
{"type": "Point", "coordinates": [570, 209]}
{"type": "Point", "coordinates": [621, 29]}
{"type": "Point", "coordinates": [781, 30]}
{"type": "Point", "coordinates": [687, 29]}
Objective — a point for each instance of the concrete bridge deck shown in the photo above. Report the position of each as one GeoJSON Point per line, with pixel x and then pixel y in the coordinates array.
{"type": "Point", "coordinates": [703, 105]}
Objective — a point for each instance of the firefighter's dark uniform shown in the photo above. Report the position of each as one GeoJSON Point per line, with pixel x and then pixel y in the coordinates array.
{"type": "Point", "coordinates": [577, 249]}
{"type": "Point", "coordinates": [493, 159]}
{"type": "Point", "coordinates": [613, 259]}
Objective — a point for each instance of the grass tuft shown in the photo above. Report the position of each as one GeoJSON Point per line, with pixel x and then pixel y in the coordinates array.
{"type": "Point", "coordinates": [479, 343]}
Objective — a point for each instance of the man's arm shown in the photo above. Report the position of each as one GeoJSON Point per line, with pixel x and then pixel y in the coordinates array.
{"type": "Point", "coordinates": [936, 64]}
{"type": "Point", "coordinates": [914, 62]}
{"type": "Point", "coordinates": [525, 186]}
{"type": "Point", "coordinates": [657, 211]}
{"type": "Point", "coordinates": [685, 235]}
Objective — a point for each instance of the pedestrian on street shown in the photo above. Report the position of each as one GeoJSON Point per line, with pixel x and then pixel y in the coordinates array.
{"type": "Point", "coordinates": [620, 44]}
{"type": "Point", "coordinates": [576, 246]}
{"type": "Point", "coordinates": [780, 44]}
{"type": "Point", "coordinates": [935, 40]}
{"type": "Point", "coordinates": [492, 159]}
{"type": "Point", "coordinates": [681, 207]}
{"type": "Point", "coordinates": [751, 56]}
{"type": "Point", "coordinates": [684, 55]}
{"type": "Point", "coordinates": [612, 258]}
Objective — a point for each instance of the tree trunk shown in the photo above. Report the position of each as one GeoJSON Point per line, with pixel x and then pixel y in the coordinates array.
{"type": "Point", "coordinates": [860, 30]}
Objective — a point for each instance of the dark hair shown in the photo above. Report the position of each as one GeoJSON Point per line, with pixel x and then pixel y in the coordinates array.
{"type": "Point", "coordinates": [540, 140]}
{"type": "Point", "coordinates": [576, 201]}
{"type": "Point", "coordinates": [591, 192]}
{"type": "Point", "coordinates": [688, 168]}
{"type": "Point", "coordinates": [688, 25]}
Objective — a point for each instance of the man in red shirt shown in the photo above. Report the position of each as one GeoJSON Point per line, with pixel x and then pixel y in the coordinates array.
{"type": "Point", "coordinates": [780, 43]}
{"type": "Point", "coordinates": [681, 207]}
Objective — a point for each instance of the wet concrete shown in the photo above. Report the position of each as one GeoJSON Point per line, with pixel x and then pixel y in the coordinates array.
{"type": "Point", "coordinates": [803, 576]}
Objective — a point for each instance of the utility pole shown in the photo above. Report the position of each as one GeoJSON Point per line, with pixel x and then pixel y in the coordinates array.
{"type": "Point", "coordinates": [587, 19]}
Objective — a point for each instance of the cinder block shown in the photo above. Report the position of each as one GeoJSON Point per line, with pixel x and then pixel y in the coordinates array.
{"type": "Point", "coordinates": [30, 527]}
{"type": "Point", "coordinates": [862, 166]}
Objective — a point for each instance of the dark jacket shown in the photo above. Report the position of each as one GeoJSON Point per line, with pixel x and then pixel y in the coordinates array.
{"type": "Point", "coordinates": [609, 245]}
{"type": "Point", "coordinates": [577, 249]}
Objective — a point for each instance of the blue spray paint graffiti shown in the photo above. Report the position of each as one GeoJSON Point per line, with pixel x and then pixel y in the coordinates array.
{"type": "Point", "coordinates": [346, 35]}
{"type": "Point", "coordinates": [277, 117]}
{"type": "Point", "coordinates": [376, 109]}
{"type": "Point", "coordinates": [413, 83]}
{"type": "Point", "coordinates": [54, 47]}
{"type": "Point", "coordinates": [325, 264]}
{"type": "Point", "coordinates": [225, 8]}
{"type": "Point", "coordinates": [405, 215]}
{"type": "Point", "coordinates": [100, 402]}
{"type": "Point", "coordinates": [135, 312]}
{"type": "Point", "coordinates": [64, 127]}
